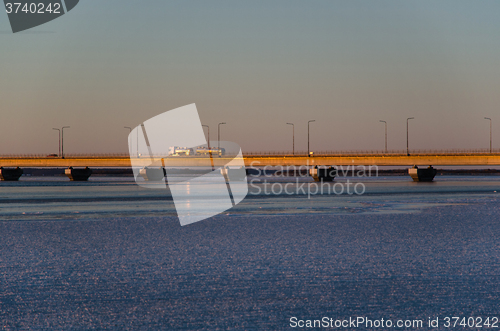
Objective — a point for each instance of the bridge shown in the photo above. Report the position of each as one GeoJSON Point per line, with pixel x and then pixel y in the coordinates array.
{"type": "Point", "coordinates": [261, 160]}
{"type": "Point", "coordinates": [254, 161]}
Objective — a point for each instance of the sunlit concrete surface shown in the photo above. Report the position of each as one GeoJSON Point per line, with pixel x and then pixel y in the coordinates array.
{"type": "Point", "coordinates": [482, 159]}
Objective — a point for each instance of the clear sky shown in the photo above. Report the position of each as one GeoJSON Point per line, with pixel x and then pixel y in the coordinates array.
{"type": "Point", "coordinates": [256, 65]}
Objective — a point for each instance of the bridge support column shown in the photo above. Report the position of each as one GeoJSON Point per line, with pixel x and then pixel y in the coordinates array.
{"type": "Point", "coordinates": [422, 175]}
{"type": "Point", "coordinates": [10, 174]}
{"type": "Point", "coordinates": [152, 174]}
{"type": "Point", "coordinates": [233, 174]}
{"type": "Point", "coordinates": [323, 174]}
{"type": "Point", "coordinates": [78, 175]}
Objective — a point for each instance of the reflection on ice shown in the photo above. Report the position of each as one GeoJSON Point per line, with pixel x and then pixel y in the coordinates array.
{"type": "Point", "coordinates": [102, 198]}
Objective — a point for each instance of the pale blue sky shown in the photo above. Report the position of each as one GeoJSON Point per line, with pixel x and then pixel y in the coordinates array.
{"type": "Point", "coordinates": [256, 65]}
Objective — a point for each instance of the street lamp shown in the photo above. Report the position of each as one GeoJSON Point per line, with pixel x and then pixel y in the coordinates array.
{"type": "Point", "coordinates": [137, 138]}
{"type": "Point", "coordinates": [218, 135]}
{"type": "Point", "coordinates": [407, 146]}
{"type": "Point", "coordinates": [308, 152]}
{"type": "Point", "coordinates": [487, 118]}
{"type": "Point", "coordinates": [62, 140]}
{"type": "Point", "coordinates": [128, 127]}
{"type": "Point", "coordinates": [385, 134]}
{"type": "Point", "coordinates": [59, 151]}
{"type": "Point", "coordinates": [293, 137]}
{"type": "Point", "coordinates": [208, 130]}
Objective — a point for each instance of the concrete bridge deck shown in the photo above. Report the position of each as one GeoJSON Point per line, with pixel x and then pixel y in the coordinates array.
{"type": "Point", "coordinates": [449, 159]}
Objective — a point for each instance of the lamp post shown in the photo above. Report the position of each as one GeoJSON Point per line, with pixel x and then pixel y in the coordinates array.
{"type": "Point", "coordinates": [62, 140]}
{"type": "Point", "coordinates": [218, 135]}
{"type": "Point", "coordinates": [407, 145]}
{"type": "Point", "coordinates": [208, 131]}
{"type": "Point", "coordinates": [487, 118]}
{"type": "Point", "coordinates": [385, 134]}
{"type": "Point", "coordinates": [128, 127]}
{"type": "Point", "coordinates": [308, 152]}
{"type": "Point", "coordinates": [59, 151]}
{"type": "Point", "coordinates": [293, 137]}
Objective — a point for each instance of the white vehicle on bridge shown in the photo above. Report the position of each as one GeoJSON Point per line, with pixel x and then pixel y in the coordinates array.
{"type": "Point", "coordinates": [206, 151]}
{"type": "Point", "coordinates": [180, 151]}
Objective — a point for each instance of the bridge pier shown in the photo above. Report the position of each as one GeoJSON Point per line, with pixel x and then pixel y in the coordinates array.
{"type": "Point", "coordinates": [152, 174]}
{"type": "Point", "coordinates": [229, 174]}
{"type": "Point", "coordinates": [323, 174]}
{"type": "Point", "coordinates": [10, 174]}
{"type": "Point", "coordinates": [422, 175]}
{"type": "Point", "coordinates": [78, 175]}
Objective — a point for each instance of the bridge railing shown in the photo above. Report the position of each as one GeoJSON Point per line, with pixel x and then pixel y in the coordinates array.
{"type": "Point", "coordinates": [373, 152]}
{"type": "Point", "coordinates": [66, 155]}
